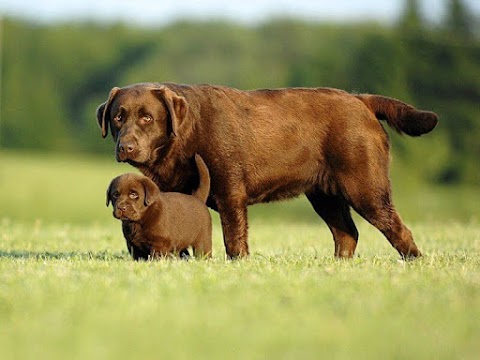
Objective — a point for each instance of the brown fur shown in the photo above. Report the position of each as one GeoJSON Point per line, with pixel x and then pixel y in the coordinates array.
{"type": "Point", "coordinates": [157, 224]}
{"type": "Point", "coordinates": [267, 145]}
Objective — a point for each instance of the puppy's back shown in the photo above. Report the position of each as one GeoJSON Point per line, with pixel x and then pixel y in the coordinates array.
{"type": "Point", "coordinates": [189, 216]}
{"type": "Point", "coordinates": [185, 205]}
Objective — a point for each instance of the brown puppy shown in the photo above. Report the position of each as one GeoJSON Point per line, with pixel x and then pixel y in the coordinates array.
{"type": "Point", "coordinates": [267, 145]}
{"type": "Point", "coordinates": [157, 224]}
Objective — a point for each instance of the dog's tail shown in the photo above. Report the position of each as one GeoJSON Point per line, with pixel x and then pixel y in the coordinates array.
{"type": "Point", "coordinates": [400, 116]}
{"type": "Point", "coordinates": [204, 184]}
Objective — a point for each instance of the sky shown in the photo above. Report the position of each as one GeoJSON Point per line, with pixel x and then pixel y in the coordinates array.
{"type": "Point", "coordinates": [161, 12]}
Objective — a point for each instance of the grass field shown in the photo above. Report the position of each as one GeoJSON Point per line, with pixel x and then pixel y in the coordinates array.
{"type": "Point", "coordinates": [68, 289]}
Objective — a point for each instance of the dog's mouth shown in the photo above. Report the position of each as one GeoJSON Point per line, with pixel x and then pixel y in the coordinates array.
{"type": "Point", "coordinates": [131, 158]}
{"type": "Point", "coordinates": [138, 158]}
{"type": "Point", "coordinates": [131, 162]}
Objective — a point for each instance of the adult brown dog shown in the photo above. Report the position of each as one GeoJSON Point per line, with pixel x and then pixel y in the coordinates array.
{"type": "Point", "coordinates": [158, 224]}
{"type": "Point", "coordinates": [267, 145]}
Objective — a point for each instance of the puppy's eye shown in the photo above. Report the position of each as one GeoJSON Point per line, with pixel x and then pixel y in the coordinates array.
{"type": "Point", "coordinates": [115, 195]}
{"type": "Point", "coordinates": [133, 195]}
{"type": "Point", "coordinates": [147, 119]}
{"type": "Point", "coordinates": [118, 118]}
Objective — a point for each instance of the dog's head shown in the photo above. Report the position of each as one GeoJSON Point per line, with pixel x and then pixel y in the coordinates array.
{"type": "Point", "coordinates": [143, 119]}
{"type": "Point", "coordinates": [131, 195]}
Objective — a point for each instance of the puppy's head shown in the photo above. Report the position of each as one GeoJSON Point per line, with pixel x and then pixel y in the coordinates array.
{"type": "Point", "coordinates": [131, 195]}
{"type": "Point", "coordinates": [143, 118]}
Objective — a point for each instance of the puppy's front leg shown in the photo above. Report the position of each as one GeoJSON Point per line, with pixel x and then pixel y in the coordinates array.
{"type": "Point", "coordinates": [235, 229]}
{"type": "Point", "coordinates": [133, 237]}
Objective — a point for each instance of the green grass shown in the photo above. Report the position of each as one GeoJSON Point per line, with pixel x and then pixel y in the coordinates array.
{"type": "Point", "coordinates": [68, 289]}
{"type": "Point", "coordinates": [72, 292]}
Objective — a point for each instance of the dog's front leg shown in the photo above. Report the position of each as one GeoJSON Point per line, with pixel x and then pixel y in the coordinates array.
{"type": "Point", "coordinates": [235, 228]}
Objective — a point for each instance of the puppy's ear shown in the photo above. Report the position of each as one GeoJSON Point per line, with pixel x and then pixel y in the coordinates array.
{"type": "Point", "coordinates": [152, 192]}
{"type": "Point", "coordinates": [177, 106]}
{"type": "Point", "coordinates": [109, 198]}
{"type": "Point", "coordinates": [102, 111]}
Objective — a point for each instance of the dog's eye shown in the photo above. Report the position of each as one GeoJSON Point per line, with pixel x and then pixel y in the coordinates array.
{"type": "Point", "coordinates": [133, 195]}
{"type": "Point", "coordinates": [115, 195]}
{"type": "Point", "coordinates": [118, 118]}
{"type": "Point", "coordinates": [147, 118]}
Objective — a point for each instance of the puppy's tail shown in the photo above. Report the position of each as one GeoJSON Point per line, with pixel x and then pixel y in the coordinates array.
{"type": "Point", "coordinates": [204, 184]}
{"type": "Point", "coordinates": [400, 116]}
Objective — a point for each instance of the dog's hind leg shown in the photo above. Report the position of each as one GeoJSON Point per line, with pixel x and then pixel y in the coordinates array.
{"type": "Point", "coordinates": [335, 211]}
{"type": "Point", "coordinates": [378, 210]}
{"type": "Point", "coordinates": [372, 199]}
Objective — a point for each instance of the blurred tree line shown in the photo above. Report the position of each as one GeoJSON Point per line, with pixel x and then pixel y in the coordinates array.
{"type": "Point", "coordinates": [54, 76]}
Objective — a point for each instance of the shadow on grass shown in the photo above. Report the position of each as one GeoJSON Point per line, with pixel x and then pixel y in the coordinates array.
{"type": "Point", "coordinates": [47, 255]}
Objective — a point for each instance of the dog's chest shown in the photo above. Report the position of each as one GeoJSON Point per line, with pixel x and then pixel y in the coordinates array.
{"type": "Point", "coordinates": [171, 178]}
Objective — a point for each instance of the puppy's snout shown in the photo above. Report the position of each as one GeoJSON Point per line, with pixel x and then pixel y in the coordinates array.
{"type": "Point", "coordinates": [122, 207]}
{"type": "Point", "coordinates": [122, 211]}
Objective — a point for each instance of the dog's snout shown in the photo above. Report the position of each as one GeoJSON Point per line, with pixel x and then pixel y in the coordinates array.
{"type": "Point", "coordinates": [126, 150]}
{"type": "Point", "coordinates": [122, 207]}
{"type": "Point", "coordinates": [127, 147]}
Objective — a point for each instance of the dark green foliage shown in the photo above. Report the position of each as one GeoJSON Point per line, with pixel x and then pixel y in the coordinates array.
{"type": "Point", "coordinates": [411, 20]}
{"type": "Point", "coordinates": [54, 76]}
{"type": "Point", "coordinates": [459, 21]}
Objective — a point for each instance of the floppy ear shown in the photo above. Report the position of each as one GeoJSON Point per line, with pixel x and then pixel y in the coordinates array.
{"type": "Point", "coordinates": [102, 112]}
{"type": "Point", "coordinates": [152, 192]}
{"type": "Point", "coordinates": [177, 106]}
{"type": "Point", "coordinates": [108, 194]}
